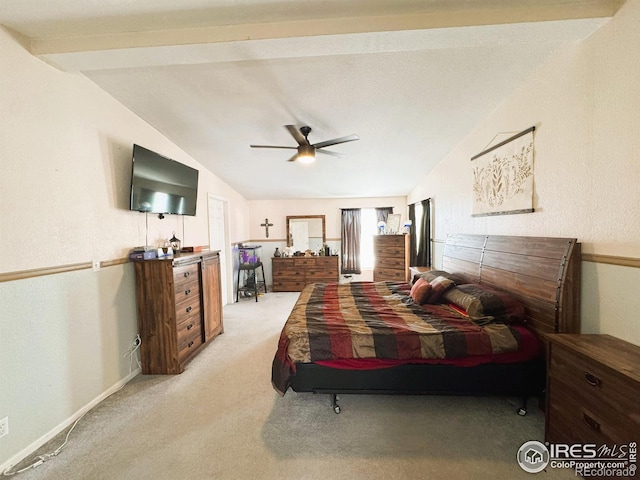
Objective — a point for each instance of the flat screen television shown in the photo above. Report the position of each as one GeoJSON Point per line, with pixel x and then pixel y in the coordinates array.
{"type": "Point", "coordinates": [162, 185]}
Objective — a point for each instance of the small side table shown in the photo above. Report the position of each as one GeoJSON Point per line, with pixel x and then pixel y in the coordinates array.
{"type": "Point", "coordinates": [413, 271]}
{"type": "Point", "coordinates": [251, 271]}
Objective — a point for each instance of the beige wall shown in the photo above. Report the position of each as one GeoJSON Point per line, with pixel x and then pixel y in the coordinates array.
{"type": "Point", "coordinates": [277, 211]}
{"type": "Point", "coordinates": [65, 152]}
{"type": "Point", "coordinates": [585, 105]}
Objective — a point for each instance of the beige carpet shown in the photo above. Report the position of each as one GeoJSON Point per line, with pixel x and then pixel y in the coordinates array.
{"type": "Point", "coordinates": [221, 419]}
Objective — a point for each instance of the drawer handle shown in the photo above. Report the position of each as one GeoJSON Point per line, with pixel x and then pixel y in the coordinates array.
{"type": "Point", "coordinates": [186, 274]}
{"type": "Point", "coordinates": [591, 379]}
{"type": "Point", "coordinates": [188, 309]}
{"type": "Point", "coordinates": [187, 292]}
{"type": "Point", "coordinates": [190, 326]}
{"type": "Point", "coordinates": [591, 422]}
{"type": "Point", "coordinates": [190, 344]}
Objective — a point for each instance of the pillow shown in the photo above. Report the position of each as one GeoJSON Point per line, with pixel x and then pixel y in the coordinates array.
{"type": "Point", "coordinates": [429, 292]}
{"type": "Point", "coordinates": [433, 274]}
{"type": "Point", "coordinates": [439, 286]}
{"type": "Point", "coordinates": [420, 291]}
{"type": "Point", "coordinates": [484, 304]}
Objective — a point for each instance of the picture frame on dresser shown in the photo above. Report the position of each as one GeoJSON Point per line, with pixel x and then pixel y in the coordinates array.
{"type": "Point", "coordinates": [393, 223]}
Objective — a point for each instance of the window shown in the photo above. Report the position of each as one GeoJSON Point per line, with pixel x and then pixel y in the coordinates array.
{"type": "Point", "coordinates": [358, 226]}
{"type": "Point", "coordinates": [369, 228]}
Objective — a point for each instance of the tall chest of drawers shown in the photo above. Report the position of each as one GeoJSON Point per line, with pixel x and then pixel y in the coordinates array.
{"type": "Point", "coordinates": [291, 274]}
{"type": "Point", "coordinates": [391, 257]}
{"type": "Point", "coordinates": [593, 390]}
{"type": "Point", "coordinates": [179, 307]}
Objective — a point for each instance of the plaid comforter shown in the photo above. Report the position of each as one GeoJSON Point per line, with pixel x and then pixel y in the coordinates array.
{"type": "Point", "coordinates": [331, 321]}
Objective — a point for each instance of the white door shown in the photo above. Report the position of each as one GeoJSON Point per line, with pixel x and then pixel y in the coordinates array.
{"type": "Point", "coordinates": [218, 233]}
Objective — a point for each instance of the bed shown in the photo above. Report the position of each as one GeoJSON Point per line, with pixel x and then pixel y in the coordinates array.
{"type": "Point", "coordinates": [375, 337]}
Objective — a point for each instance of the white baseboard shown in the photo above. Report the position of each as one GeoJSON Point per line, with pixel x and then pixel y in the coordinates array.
{"type": "Point", "coordinates": [24, 453]}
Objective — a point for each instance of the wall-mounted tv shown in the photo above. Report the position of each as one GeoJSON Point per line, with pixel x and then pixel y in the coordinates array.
{"type": "Point", "coordinates": [162, 185]}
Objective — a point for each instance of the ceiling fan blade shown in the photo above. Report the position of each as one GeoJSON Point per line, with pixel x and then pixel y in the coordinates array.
{"type": "Point", "coordinates": [329, 152]}
{"type": "Point", "coordinates": [295, 133]}
{"type": "Point", "coordinates": [335, 141]}
{"type": "Point", "coordinates": [273, 146]}
{"type": "Point", "coordinates": [293, 159]}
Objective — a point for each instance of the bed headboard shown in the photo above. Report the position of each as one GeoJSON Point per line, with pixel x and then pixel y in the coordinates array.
{"type": "Point", "coordinates": [542, 273]}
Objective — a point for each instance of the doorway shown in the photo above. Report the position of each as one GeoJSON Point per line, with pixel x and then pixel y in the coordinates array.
{"type": "Point", "coordinates": [219, 240]}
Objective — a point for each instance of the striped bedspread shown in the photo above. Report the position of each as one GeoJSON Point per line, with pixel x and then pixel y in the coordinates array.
{"type": "Point", "coordinates": [331, 321]}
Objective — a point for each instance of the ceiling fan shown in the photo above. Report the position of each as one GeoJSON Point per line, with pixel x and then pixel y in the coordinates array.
{"type": "Point", "coordinates": [307, 151]}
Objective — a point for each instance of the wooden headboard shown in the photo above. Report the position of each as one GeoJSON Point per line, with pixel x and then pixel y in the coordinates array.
{"type": "Point", "coordinates": [542, 273]}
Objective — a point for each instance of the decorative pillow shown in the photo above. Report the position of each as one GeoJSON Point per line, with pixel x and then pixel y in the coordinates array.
{"type": "Point", "coordinates": [420, 291]}
{"type": "Point", "coordinates": [484, 304]}
{"type": "Point", "coordinates": [439, 286]}
{"type": "Point", "coordinates": [430, 292]}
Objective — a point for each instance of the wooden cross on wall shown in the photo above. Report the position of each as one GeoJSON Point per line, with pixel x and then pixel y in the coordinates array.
{"type": "Point", "coordinates": [266, 226]}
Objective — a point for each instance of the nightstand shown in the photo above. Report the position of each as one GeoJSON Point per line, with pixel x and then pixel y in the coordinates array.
{"type": "Point", "coordinates": [413, 271]}
{"type": "Point", "coordinates": [593, 390]}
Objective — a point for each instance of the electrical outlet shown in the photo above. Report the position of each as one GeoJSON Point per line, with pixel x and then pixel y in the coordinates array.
{"type": "Point", "coordinates": [95, 264]}
{"type": "Point", "coordinates": [4, 426]}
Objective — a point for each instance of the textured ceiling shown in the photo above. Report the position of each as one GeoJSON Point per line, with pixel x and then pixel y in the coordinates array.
{"type": "Point", "coordinates": [410, 77]}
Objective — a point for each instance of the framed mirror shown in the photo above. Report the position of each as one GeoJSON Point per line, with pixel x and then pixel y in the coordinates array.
{"type": "Point", "coordinates": [306, 232]}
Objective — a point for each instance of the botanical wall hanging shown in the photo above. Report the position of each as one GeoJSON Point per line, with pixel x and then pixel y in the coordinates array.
{"type": "Point", "coordinates": [503, 177]}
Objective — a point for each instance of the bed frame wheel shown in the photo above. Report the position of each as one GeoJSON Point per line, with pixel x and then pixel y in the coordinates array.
{"type": "Point", "coordinates": [334, 403]}
{"type": "Point", "coordinates": [522, 411]}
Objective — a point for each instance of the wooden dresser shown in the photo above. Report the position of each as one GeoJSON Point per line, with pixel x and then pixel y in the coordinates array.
{"type": "Point", "coordinates": [179, 307]}
{"type": "Point", "coordinates": [291, 274]}
{"type": "Point", "coordinates": [391, 257]}
{"type": "Point", "coordinates": [593, 390]}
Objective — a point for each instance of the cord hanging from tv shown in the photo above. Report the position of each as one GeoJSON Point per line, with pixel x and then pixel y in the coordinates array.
{"type": "Point", "coordinates": [162, 185]}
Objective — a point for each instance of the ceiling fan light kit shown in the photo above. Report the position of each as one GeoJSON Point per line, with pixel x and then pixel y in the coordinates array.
{"type": "Point", "coordinates": [306, 154]}
{"type": "Point", "coordinates": [307, 151]}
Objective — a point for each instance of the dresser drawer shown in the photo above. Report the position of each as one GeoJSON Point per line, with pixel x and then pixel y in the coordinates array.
{"type": "Point", "coordinates": [389, 241]}
{"type": "Point", "coordinates": [384, 251]}
{"type": "Point", "coordinates": [291, 274]}
{"type": "Point", "coordinates": [327, 262]}
{"type": "Point", "coordinates": [391, 262]}
{"type": "Point", "coordinates": [316, 275]}
{"type": "Point", "coordinates": [189, 339]}
{"type": "Point", "coordinates": [187, 309]}
{"type": "Point", "coordinates": [288, 286]}
{"type": "Point", "coordinates": [391, 274]}
{"type": "Point", "coordinates": [187, 293]}
{"type": "Point", "coordinates": [282, 264]}
{"type": "Point", "coordinates": [185, 277]}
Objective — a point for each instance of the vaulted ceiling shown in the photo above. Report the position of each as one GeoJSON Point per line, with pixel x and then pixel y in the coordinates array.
{"type": "Point", "coordinates": [410, 77]}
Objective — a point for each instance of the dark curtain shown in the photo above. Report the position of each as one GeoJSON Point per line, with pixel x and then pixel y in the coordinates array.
{"type": "Point", "coordinates": [413, 241]}
{"type": "Point", "coordinates": [382, 214]}
{"type": "Point", "coordinates": [350, 232]}
{"type": "Point", "coordinates": [420, 234]}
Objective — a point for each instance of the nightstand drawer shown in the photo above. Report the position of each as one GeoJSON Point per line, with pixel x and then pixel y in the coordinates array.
{"type": "Point", "coordinates": [595, 383]}
{"type": "Point", "coordinates": [593, 387]}
{"type": "Point", "coordinates": [573, 415]}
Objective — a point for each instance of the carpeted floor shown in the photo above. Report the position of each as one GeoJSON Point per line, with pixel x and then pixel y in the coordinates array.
{"type": "Point", "coordinates": [221, 419]}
